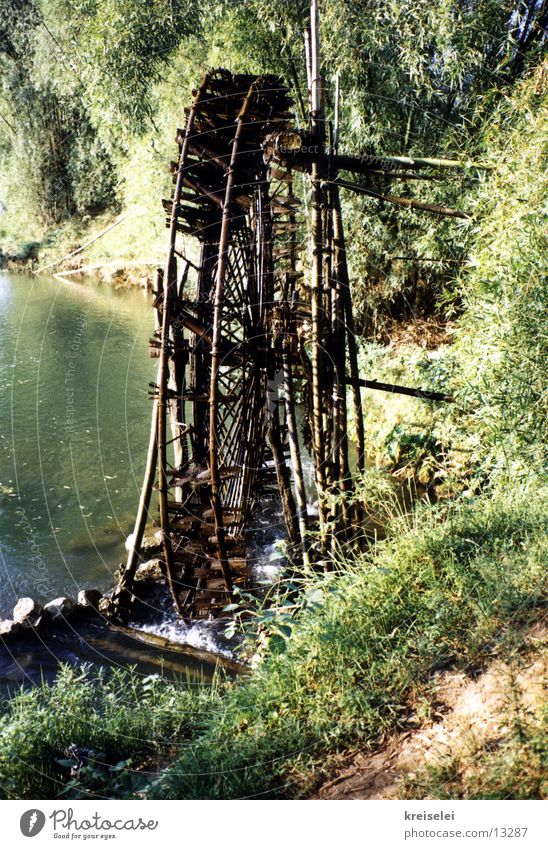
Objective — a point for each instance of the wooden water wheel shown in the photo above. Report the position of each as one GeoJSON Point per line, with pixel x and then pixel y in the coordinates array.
{"type": "Point", "coordinates": [237, 328]}
{"type": "Point", "coordinates": [214, 339]}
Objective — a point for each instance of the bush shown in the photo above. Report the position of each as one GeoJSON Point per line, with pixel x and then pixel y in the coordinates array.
{"type": "Point", "coordinates": [91, 734]}
{"type": "Point", "coordinates": [502, 343]}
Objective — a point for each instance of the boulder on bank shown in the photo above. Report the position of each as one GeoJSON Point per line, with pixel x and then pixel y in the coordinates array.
{"type": "Point", "coordinates": [27, 612]}
{"type": "Point", "coordinates": [89, 598]}
{"type": "Point", "coordinates": [61, 608]}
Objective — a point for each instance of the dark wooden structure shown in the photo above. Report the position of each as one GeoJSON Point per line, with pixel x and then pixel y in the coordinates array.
{"type": "Point", "coordinates": [245, 326]}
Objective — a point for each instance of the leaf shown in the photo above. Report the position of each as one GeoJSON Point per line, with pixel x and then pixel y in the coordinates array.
{"type": "Point", "coordinates": [315, 596]}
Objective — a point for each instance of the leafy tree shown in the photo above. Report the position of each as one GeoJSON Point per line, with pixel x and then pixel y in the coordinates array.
{"type": "Point", "coordinates": [57, 158]}
{"type": "Point", "coordinates": [417, 77]}
{"type": "Point", "coordinates": [122, 49]}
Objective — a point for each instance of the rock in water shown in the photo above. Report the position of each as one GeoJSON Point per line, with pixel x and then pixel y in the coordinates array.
{"type": "Point", "coordinates": [27, 612]}
{"type": "Point", "coordinates": [8, 628]}
{"type": "Point", "coordinates": [60, 608]}
{"type": "Point", "coordinates": [151, 570]}
{"type": "Point", "coordinates": [89, 598]}
{"type": "Point", "coordinates": [149, 543]}
{"type": "Point", "coordinates": [104, 605]}
{"type": "Point", "coordinates": [152, 542]}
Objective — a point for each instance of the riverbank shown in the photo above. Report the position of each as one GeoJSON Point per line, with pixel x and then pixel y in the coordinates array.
{"type": "Point", "coordinates": [120, 250]}
{"type": "Point", "coordinates": [355, 657]}
{"type": "Point", "coordinates": [451, 588]}
{"type": "Point", "coordinates": [481, 734]}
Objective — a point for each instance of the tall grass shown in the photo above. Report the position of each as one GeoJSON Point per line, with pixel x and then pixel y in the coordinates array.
{"type": "Point", "coordinates": [440, 593]}
{"type": "Point", "coordinates": [448, 587]}
{"type": "Point", "coordinates": [92, 733]}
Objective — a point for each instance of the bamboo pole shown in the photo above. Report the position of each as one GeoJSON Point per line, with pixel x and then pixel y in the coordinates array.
{"type": "Point", "coordinates": [340, 434]}
{"type": "Point", "coordinates": [341, 472]}
{"type": "Point", "coordinates": [362, 164]}
{"type": "Point", "coordinates": [176, 382]}
{"type": "Point", "coordinates": [198, 376]}
{"type": "Point", "coordinates": [317, 318]}
{"type": "Point", "coordinates": [127, 579]}
{"type": "Point", "coordinates": [404, 202]}
{"type": "Point", "coordinates": [282, 475]}
{"type": "Point", "coordinates": [289, 391]}
{"type": "Point", "coordinates": [169, 286]}
{"type": "Point", "coordinates": [328, 370]}
{"type": "Point", "coordinates": [296, 462]}
{"type": "Point", "coordinates": [336, 116]}
{"type": "Point", "coordinates": [308, 59]}
{"type": "Point", "coordinates": [350, 332]}
{"type": "Point", "coordinates": [128, 576]}
{"type": "Point", "coordinates": [424, 394]}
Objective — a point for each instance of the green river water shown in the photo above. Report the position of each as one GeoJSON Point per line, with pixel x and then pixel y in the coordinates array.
{"type": "Point", "coordinates": [74, 422]}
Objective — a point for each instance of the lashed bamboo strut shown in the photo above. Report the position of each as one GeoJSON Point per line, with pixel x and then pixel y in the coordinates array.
{"type": "Point", "coordinates": [132, 561]}
{"type": "Point", "coordinates": [425, 394]}
{"type": "Point", "coordinates": [342, 271]}
{"type": "Point", "coordinates": [317, 126]}
{"type": "Point", "coordinates": [300, 494]}
{"type": "Point", "coordinates": [404, 202]}
{"type": "Point", "coordinates": [391, 166]}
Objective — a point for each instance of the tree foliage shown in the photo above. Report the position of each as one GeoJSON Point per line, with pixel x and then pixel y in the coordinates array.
{"type": "Point", "coordinates": [55, 158]}
{"type": "Point", "coordinates": [122, 49]}
{"type": "Point", "coordinates": [503, 341]}
{"type": "Point", "coordinates": [89, 85]}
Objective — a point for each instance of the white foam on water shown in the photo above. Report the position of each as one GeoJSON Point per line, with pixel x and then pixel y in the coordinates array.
{"type": "Point", "coordinates": [268, 561]}
{"type": "Point", "coordinates": [200, 635]}
{"type": "Point", "coordinates": [268, 566]}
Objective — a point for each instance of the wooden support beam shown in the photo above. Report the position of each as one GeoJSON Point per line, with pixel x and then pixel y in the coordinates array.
{"type": "Point", "coordinates": [424, 394]}
{"type": "Point", "coordinates": [409, 203]}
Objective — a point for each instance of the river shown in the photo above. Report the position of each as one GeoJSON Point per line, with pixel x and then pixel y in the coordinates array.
{"type": "Point", "coordinates": [74, 419]}
{"type": "Point", "coordinates": [74, 422]}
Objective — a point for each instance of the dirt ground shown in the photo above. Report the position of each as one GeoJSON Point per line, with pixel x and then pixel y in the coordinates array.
{"type": "Point", "coordinates": [468, 711]}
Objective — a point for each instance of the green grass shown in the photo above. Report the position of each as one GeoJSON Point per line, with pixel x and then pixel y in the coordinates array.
{"type": "Point", "coordinates": [438, 594]}
{"type": "Point", "coordinates": [125, 721]}
{"type": "Point", "coordinates": [449, 588]}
